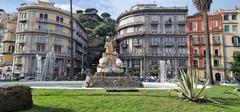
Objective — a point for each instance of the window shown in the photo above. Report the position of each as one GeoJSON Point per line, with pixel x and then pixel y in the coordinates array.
{"type": "Point", "coordinates": [216, 52]}
{"type": "Point", "coordinates": [236, 41]}
{"type": "Point", "coordinates": [216, 63]}
{"type": "Point", "coordinates": [226, 17]}
{"type": "Point", "coordinates": [154, 18]}
{"type": "Point", "coordinates": [154, 28]}
{"type": "Point", "coordinates": [195, 52]}
{"type": "Point", "coordinates": [57, 18]}
{"type": "Point", "coordinates": [195, 63]}
{"type": "Point", "coordinates": [58, 41]}
{"type": "Point", "coordinates": [61, 19]}
{"type": "Point", "coordinates": [216, 39]}
{"type": "Point", "coordinates": [58, 29]}
{"type": "Point", "coordinates": [234, 17]}
{"type": "Point", "coordinates": [57, 49]}
{"type": "Point", "coordinates": [43, 26]}
{"type": "Point", "coordinates": [235, 28]}
{"type": "Point", "coordinates": [195, 41]}
{"type": "Point", "coordinates": [204, 52]}
{"type": "Point", "coordinates": [204, 40]}
{"type": "Point", "coordinates": [154, 41]}
{"type": "Point", "coordinates": [137, 42]}
{"type": "Point", "coordinates": [215, 24]}
{"type": "Point", "coordinates": [182, 41]}
{"type": "Point", "coordinates": [41, 16]}
{"type": "Point", "coordinates": [168, 41]}
{"type": "Point", "coordinates": [194, 26]}
{"type": "Point", "coordinates": [136, 63]}
{"type": "Point", "coordinates": [154, 62]}
{"type": "Point", "coordinates": [41, 39]}
{"type": "Point", "coordinates": [45, 16]}
{"type": "Point", "coordinates": [40, 47]}
{"type": "Point", "coordinates": [226, 28]}
{"type": "Point", "coordinates": [182, 62]}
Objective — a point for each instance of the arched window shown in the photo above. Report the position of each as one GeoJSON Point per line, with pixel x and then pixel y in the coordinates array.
{"type": "Point", "coordinates": [41, 15]}
{"type": "Point", "coordinates": [61, 19]}
{"type": "Point", "coordinates": [45, 16]}
{"type": "Point", "coordinates": [57, 18]}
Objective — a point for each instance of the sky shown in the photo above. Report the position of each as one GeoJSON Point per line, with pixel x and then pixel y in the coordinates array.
{"type": "Point", "coordinates": [116, 7]}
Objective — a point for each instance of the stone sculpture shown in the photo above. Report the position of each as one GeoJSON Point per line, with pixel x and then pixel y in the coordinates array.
{"type": "Point", "coordinates": [110, 71]}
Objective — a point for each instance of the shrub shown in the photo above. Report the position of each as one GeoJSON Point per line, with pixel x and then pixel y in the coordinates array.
{"type": "Point", "coordinates": [15, 98]}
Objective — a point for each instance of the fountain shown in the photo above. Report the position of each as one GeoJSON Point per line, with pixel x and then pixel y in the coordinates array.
{"type": "Point", "coordinates": [110, 71]}
{"type": "Point", "coordinates": [45, 72]}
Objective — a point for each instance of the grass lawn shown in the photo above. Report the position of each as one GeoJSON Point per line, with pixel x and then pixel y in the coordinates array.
{"type": "Point", "coordinates": [143, 101]}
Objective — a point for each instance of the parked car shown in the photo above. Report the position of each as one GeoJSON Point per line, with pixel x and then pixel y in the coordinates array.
{"type": "Point", "coordinates": [229, 83]}
{"type": "Point", "coordinates": [27, 79]}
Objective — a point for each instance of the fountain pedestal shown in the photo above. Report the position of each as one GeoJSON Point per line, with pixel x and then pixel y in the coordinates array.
{"type": "Point", "coordinates": [110, 73]}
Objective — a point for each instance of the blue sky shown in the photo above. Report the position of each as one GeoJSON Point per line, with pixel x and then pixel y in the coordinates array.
{"type": "Point", "coordinates": [116, 7]}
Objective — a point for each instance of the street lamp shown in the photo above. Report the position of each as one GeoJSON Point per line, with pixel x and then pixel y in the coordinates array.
{"type": "Point", "coordinates": [72, 65]}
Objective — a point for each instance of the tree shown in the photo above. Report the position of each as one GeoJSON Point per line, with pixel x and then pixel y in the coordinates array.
{"type": "Point", "coordinates": [197, 14]}
{"type": "Point", "coordinates": [154, 71]}
{"type": "Point", "coordinates": [203, 7]}
{"type": "Point", "coordinates": [91, 10]}
{"type": "Point", "coordinates": [235, 68]}
{"type": "Point", "coordinates": [103, 30]}
{"type": "Point", "coordinates": [105, 15]}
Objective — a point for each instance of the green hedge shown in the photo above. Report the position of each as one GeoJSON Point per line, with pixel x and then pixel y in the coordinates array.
{"type": "Point", "coordinates": [15, 98]}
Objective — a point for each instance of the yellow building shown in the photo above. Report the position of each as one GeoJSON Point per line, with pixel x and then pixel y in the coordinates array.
{"type": "Point", "coordinates": [7, 46]}
{"type": "Point", "coordinates": [231, 34]}
{"type": "Point", "coordinates": [42, 27]}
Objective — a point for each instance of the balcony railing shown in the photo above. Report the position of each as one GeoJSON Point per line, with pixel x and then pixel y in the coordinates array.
{"type": "Point", "coordinates": [154, 44]}
{"type": "Point", "coordinates": [130, 24]}
{"type": "Point", "coordinates": [163, 54]}
{"type": "Point", "coordinates": [168, 44]}
{"type": "Point", "coordinates": [52, 21]}
{"type": "Point", "coordinates": [182, 44]}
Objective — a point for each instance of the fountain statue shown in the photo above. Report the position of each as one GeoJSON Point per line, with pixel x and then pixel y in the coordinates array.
{"type": "Point", "coordinates": [110, 63]}
{"type": "Point", "coordinates": [110, 72]}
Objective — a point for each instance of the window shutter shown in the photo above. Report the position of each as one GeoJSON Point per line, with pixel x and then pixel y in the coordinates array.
{"type": "Point", "coordinates": [238, 39]}
{"type": "Point", "coordinates": [233, 39]}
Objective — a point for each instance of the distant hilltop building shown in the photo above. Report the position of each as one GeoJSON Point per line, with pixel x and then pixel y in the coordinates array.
{"type": "Point", "coordinates": [149, 34]}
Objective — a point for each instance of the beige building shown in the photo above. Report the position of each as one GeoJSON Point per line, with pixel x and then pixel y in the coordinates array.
{"type": "Point", "coordinates": [41, 27]}
{"type": "Point", "coordinates": [231, 34]}
{"type": "Point", "coordinates": [7, 45]}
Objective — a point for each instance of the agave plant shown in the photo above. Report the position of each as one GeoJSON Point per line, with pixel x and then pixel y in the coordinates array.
{"type": "Point", "coordinates": [188, 86]}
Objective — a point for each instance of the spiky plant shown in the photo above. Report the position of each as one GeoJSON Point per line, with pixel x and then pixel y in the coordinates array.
{"type": "Point", "coordinates": [188, 86]}
{"type": "Point", "coordinates": [203, 7]}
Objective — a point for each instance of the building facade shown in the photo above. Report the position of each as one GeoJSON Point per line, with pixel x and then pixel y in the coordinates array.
{"type": "Point", "coordinates": [197, 45]}
{"type": "Point", "coordinates": [42, 28]}
{"type": "Point", "coordinates": [7, 46]}
{"type": "Point", "coordinates": [231, 37]}
{"type": "Point", "coordinates": [148, 35]}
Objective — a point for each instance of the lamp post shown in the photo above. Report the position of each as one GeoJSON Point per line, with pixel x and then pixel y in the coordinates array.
{"type": "Point", "coordinates": [72, 65]}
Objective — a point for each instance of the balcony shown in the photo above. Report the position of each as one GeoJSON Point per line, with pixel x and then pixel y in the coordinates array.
{"type": "Point", "coordinates": [236, 44]}
{"type": "Point", "coordinates": [52, 32]}
{"type": "Point", "coordinates": [216, 42]}
{"type": "Point", "coordinates": [130, 34]}
{"type": "Point", "coordinates": [22, 20]}
{"type": "Point", "coordinates": [8, 38]}
{"type": "Point", "coordinates": [168, 22]}
{"type": "Point", "coordinates": [52, 21]}
{"type": "Point", "coordinates": [168, 44]}
{"type": "Point", "coordinates": [196, 54]}
{"type": "Point", "coordinates": [130, 24]}
{"type": "Point", "coordinates": [154, 44]}
{"type": "Point", "coordinates": [154, 22]}
{"type": "Point", "coordinates": [181, 22]}
{"type": "Point", "coordinates": [137, 44]}
{"type": "Point", "coordinates": [182, 44]}
{"type": "Point", "coordinates": [124, 45]}
{"type": "Point", "coordinates": [195, 43]}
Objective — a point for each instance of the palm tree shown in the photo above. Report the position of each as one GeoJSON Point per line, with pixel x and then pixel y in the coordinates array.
{"type": "Point", "coordinates": [203, 7]}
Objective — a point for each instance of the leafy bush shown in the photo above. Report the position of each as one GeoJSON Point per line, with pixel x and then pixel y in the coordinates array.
{"type": "Point", "coordinates": [235, 68]}
{"type": "Point", "coordinates": [154, 71]}
{"type": "Point", "coordinates": [15, 98]}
